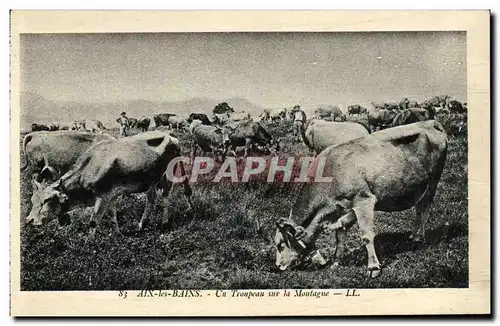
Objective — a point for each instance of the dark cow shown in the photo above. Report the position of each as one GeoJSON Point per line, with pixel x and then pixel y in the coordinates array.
{"type": "Point", "coordinates": [356, 109]}
{"type": "Point", "coordinates": [108, 170]}
{"type": "Point", "coordinates": [53, 153]}
{"type": "Point", "coordinates": [411, 116]}
{"type": "Point", "coordinates": [39, 127]}
{"type": "Point", "coordinates": [249, 133]}
{"type": "Point", "coordinates": [162, 119]}
{"type": "Point", "coordinates": [409, 162]}
{"type": "Point", "coordinates": [132, 122]}
{"type": "Point", "coordinates": [200, 116]}
{"type": "Point", "coordinates": [143, 123]}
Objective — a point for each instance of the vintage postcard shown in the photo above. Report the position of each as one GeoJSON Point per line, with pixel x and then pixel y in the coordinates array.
{"type": "Point", "coordinates": [250, 163]}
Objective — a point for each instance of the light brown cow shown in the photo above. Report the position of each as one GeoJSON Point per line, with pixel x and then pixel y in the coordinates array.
{"type": "Point", "coordinates": [390, 170]}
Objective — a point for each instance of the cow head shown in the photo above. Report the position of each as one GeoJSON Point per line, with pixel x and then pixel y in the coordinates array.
{"type": "Point", "coordinates": [291, 248]}
{"type": "Point", "coordinates": [47, 201]}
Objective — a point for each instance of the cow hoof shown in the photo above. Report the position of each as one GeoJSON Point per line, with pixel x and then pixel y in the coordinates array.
{"type": "Point", "coordinates": [373, 273]}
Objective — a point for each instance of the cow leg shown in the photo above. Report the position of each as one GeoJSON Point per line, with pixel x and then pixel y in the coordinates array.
{"type": "Point", "coordinates": [248, 141]}
{"type": "Point", "coordinates": [340, 228]}
{"type": "Point", "coordinates": [101, 206]}
{"type": "Point", "coordinates": [364, 208]}
{"type": "Point", "coordinates": [148, 207]}
{"type": "Point", "coordinates": [114, 215]}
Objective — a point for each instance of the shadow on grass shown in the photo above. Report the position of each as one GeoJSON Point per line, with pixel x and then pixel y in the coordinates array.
{"type": "Point", "coordinates": [389, 245]}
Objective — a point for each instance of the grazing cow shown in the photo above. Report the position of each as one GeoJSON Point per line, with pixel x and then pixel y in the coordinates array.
{"type": "Point", "coordinates": [356, 109]}
{"type": "Point", "coordinates": [239, 116]}
{"type": "Point", "coordinates": [143, 123]}
{"type": "Point", "coordinates": [94, 126]}
{"type": "Point", "coordinates": [249, 133]}
{"type": "Point", "coordinates": [107, 170]}
{"type": "Point", "coordinates": [209, 138]}
{"type": "Point", "coordinates": [178, 123]}
{"type": "Point", "coordinates": [380, 119]}
{"type": "Point", "coordinates": [39, 127]}
{"type": "Point", "coordinates": [200, 116]}
{"type": "Point", "coordinates": [391, 170]}
{"type": "Point", "coordinates": [278, 114]}
{"type": "Point", "coordinates": [53, 153]}
{"type": "Point", "coordinates": [319, 134]}
{"type": "Point", "coordinates": [411, 116]}
{"type": "Point", "coordinates": [329, 113]}
{"type": "Point", "coordinates": [162, 119]}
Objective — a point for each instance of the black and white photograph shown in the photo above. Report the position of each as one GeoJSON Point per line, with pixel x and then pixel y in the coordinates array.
{"type": "Point", "coordinates": [244, 160]}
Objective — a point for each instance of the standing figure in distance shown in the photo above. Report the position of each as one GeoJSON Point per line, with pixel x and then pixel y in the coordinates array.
{"type": "Point", "coordinates": [124, 124]}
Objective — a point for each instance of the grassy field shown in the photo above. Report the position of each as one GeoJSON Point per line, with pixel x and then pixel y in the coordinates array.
{"type": "Point", "coordinates": [226, 242]}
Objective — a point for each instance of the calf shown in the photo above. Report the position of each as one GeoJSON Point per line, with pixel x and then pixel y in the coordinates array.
{"type": "Point", "coordinates": [391, 170]}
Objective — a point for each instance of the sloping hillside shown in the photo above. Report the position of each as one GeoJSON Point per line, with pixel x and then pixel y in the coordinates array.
{"type": "Point", "coordinates": [36, 108]}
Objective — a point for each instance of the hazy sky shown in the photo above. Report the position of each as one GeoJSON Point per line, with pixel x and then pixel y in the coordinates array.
{"type": "Point", "coordinates": [270, 69]}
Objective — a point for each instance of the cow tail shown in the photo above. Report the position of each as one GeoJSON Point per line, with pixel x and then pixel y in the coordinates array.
{"type": "Point", "coordinates": [26, 140]}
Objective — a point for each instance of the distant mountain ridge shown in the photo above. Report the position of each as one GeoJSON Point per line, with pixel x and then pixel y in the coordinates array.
{"type": "Point", "coordinates": [37, 109]}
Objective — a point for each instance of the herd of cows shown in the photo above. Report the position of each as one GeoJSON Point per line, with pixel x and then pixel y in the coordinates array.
{"type": "Point", "coordinates": [82, 165]}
